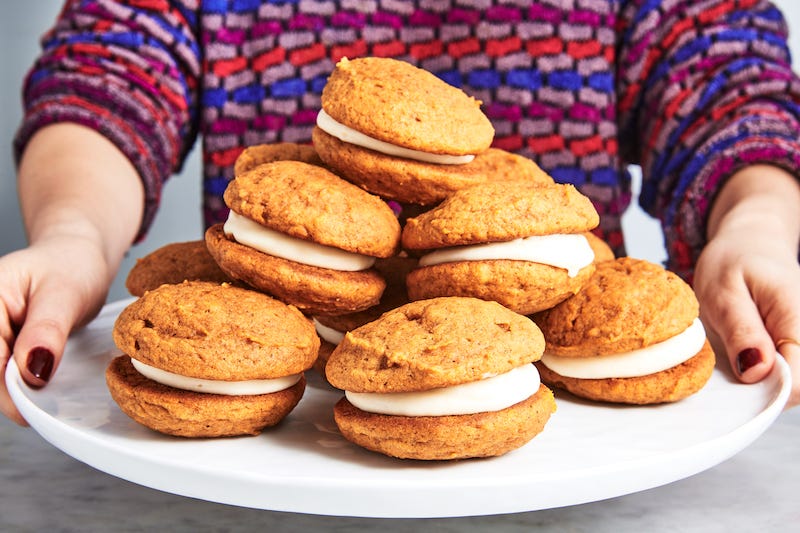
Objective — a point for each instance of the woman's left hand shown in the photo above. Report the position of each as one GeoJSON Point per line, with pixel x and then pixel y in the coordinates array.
{"type": "Point", "coordinates": [748, 277]}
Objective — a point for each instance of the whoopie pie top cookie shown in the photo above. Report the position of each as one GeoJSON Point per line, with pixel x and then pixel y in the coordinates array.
{"type": "Point", "coordinates": [434, 343]}
{"type": "Point", "coordinates": [258, 154]}
{"type": "Point", "coordinates": [173, 263]}
{"type": "Point", "coordinates": [310, 203]}
{"type": "Point", "coordinates": [397, 103]}
{"type": "Point", "coordinates": [217, 332]}
{"type": "Point", "coordinates": [627, 304]}
{"type": "Point", "coordinates": [501, 211]}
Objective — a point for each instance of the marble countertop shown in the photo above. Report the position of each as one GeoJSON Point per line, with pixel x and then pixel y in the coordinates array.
{"type": "Point", "coordinates": [41, 488]}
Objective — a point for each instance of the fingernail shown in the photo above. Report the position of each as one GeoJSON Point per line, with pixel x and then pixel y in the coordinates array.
{"type": "Point", "coordinates": [40, 363]}
{"type": "Point", "coordinates": [747, 359]}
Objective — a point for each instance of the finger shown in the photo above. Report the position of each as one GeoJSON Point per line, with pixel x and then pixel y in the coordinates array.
{"type": "Point", "coordinates": [740, 329]}
{"type": "Point", "coordinates": [7, 331]}
{"type": "Point", "coordinates": [784, 324]}
{"type": "Point", "coordinates": [782, 321]}
{"type": "Point", "coordinates": [7, 406]}
{"type": "Point", "coordinates": [791, 352]}
{"type": "Point", "coordinates": [41, 340]}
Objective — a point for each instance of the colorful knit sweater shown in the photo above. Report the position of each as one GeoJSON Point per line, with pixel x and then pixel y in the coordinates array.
{"type": "Point", "coordinates": [688, 90]}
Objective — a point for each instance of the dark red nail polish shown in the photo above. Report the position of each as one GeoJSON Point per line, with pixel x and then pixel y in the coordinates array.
{"type": "Point", "coordinates": [40, 363]}
{"type": "Point", "coordinates": [747, 359]}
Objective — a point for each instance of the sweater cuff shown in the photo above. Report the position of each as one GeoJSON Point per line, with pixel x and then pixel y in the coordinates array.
{"type": "Point", "coordinates": [753, 142]}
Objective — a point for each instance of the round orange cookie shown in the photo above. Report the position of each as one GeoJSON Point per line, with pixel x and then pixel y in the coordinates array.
{"type": "Point", "coordinates": [486, 434]}
{"type": "Point", "coordinates": [629, 308]}
{"type": "Point", "coordinates": [671, 385]}
{"type": "Point", "coordinates": [311, 203]}
{"type": "Point", "coordinates": [312, 289]}
{"type": "Point", "coordinates": [628, 304]}
{"type": "Point", "coordinates": [417, 182]}
{"type": "Point", "coordinates": [258, 154]}
{"type": "Point", "coordinates": [173, 263]}
{"type": "Point", "coordinates": [192, 414]}
{"type": "Point", "coordinates": [208, 334]}
{"type": "Point", "coordinates": [435, 345]}
{"type": "Point", "coordinates": [477, 220]}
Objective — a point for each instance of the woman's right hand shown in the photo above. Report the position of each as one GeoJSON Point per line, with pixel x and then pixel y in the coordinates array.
{"type": "Point", "coordinates": [82, 202]}
{"type": "Point", "coordinates": [45, 291]}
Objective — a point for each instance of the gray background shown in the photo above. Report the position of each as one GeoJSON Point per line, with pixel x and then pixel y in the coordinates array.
{"type": "Point", "coordinates": [22, 23]}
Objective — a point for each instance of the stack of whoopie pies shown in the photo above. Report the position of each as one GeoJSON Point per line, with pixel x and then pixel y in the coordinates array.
{"type": "Point", "coordinates": [443, 325]}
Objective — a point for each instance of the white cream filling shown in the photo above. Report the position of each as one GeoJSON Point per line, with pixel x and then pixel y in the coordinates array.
{"type": "Point", "coordinates": [278, 244]}
{"type": "Point", "coordinates": [210, 386]}
{"type": "Point", "coordinates": [346, 134]}
{"type": "Point", "coordinates": [333, 336]}
{"type": "Point", "coordinates": [641, 362]}
{"type": "Point", "coordinates": [568, 251]}
{"type": "Point", "coordinates": [490, 394]}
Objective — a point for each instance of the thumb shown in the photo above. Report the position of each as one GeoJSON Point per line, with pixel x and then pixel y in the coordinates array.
{"type": "Point", "coordinates": [40, 342]}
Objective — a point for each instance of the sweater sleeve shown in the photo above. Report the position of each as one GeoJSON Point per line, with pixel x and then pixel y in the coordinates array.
{"type": "Point", "coordinates": [129, 70]}
{"type": "Point", "coordinates": [706, 88]}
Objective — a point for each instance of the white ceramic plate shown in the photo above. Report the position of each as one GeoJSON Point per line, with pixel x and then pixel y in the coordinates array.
{"type": "Point", "coordinates": [587, 452]}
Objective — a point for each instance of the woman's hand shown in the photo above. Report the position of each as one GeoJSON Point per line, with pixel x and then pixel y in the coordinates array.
{"type": "Point", "coordinates": [748, 277]}
{"type": "Point", "coordinates": [45, 291]}
{"type": "Point", "coordinates": [82, 204]}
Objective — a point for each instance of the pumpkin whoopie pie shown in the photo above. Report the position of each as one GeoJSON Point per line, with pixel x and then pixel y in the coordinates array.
{"type": "Point", "coordinates": [209, 360]}
{"type": "Point", "coordinates": [445, 378]}
{"type": "Point", "coordinates": [306, 236]}
{"type": "Point", "coordinates": [518, 243]}
{"type": "Point", "coordinates": [630, 335]}
{"type": "Point", "coordinates": [400, 132]}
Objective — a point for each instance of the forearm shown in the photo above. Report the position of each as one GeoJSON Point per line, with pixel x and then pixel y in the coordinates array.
{"type": "Point", "coordinates": [760, 201]}
{"type": "Point", "coordinates": [74, 183]}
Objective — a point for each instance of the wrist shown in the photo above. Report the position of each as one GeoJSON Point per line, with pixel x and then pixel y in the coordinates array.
{"type": "Point", "coordinates": [762, 201]}
{"type": "Point", "coordinates": [70, 231]}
